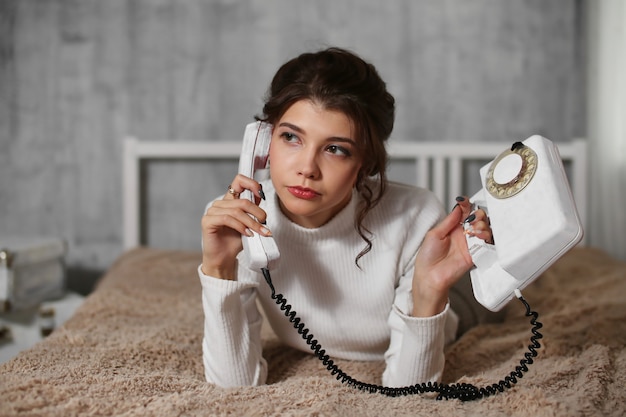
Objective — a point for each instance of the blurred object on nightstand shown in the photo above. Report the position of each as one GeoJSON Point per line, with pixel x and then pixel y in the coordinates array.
{"type": "Point", "coordinates": [32, 270]}
{"type": "Point", "coordinates": [5, 333]}
{"type": "Point", "coordinates": [28, 326]}
{"type": "Point", "coordinates": [46, 321]}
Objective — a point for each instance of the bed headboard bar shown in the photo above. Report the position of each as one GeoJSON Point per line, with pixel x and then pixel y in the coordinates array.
{"type": "Point", "coordinates": [439, 167]}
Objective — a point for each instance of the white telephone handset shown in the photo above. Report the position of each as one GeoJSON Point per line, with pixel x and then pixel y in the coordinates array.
{"type": "Point", "coordinates": [533, 218]}
{"type": "Point", "coordinates": [261, 250]}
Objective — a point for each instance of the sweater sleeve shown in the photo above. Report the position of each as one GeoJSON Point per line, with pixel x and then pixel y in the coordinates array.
{"type": "Point", "coordinates": [231, 347]}
{"type": "Point", "coordinates": [416, 347]}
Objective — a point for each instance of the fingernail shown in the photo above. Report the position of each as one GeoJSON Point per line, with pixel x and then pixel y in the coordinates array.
{"type": "Point", "coordinates": [455, 206]}
{"type": "Point", "coordinates": [266, 231]}
{"type": "Point", "coordinates": [249, 232]}
{"type": "Point", "coordinates": [470, 218]}
{"type": "Point", "coordinates": [460, 198]}
{"type": "Point", "coordinates": [261, 194]}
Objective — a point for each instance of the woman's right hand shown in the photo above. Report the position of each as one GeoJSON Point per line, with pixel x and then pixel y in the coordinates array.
{"type": "Point", "coordinates": [223, 224]}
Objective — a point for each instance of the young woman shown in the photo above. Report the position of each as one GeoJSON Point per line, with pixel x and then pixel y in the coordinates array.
{"type": "Point", "coordinates": [367, 264]}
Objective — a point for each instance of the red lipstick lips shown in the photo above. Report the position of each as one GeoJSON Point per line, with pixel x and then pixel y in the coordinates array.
{"type": "Point", "coordinates": [303, 193]}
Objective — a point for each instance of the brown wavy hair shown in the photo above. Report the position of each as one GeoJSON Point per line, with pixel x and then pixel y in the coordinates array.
{"type": "Point", "coordinates": [339, 80]}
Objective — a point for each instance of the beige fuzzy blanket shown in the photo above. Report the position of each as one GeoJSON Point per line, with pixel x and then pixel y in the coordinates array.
{"type": "Point", "coordinates": [134, 349]}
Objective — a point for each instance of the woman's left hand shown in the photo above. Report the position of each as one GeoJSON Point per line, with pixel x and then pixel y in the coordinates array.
{"type": "Point", "coordinates": [444, 258]}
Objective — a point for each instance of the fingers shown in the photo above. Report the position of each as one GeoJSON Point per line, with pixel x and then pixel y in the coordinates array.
{"type": "Point", "coordinates": [238, 214]}
{"type": "Point", "coordinates": [479, 226]}
{"type": "Point", "coordinates": [459, 212]}
{"type": "Point", "coordinates": [242, 183]}
{"type": "Point", "coordinates": [226, 221]}
{"type": "Point", "coordinates": [465, 206]}
{"type": "Point", "coordinates": [477, 219]}
{"type": "Point", "coordinates": [232, 192]}
{"type": "Point", "coordinates": [448, 224]}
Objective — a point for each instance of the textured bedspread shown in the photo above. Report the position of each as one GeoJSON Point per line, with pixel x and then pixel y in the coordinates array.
{"type": "Point", "coordinates": [134, 349]}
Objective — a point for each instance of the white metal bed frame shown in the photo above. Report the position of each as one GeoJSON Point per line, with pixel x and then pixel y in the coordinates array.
{"type": "Point", "coordinates": [439, 167]}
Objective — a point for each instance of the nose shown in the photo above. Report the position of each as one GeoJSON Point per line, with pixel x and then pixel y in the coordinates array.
{"type": "Point", "coordinates": [308, 165]}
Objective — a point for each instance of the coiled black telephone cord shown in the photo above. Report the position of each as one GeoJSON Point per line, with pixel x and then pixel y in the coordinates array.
{"type": "Point", "coordinates": [461, 391]}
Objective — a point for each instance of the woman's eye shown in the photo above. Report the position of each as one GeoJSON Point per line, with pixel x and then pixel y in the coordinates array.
{"type": "Point", "coordinates": [338, 150]}
{"type": "Point", "coordinates": [289, 137]}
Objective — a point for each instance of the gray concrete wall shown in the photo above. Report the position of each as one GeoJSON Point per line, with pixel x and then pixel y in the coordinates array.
{"type": "Point", "coordinates": [77, 76]}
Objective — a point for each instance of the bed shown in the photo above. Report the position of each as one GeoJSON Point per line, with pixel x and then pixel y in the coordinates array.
{"type": "Point", "coordinates": [134, 345]}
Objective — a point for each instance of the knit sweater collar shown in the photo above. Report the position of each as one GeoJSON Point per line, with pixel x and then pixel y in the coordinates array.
{"type": "Point", "coordinates": [287, 231]}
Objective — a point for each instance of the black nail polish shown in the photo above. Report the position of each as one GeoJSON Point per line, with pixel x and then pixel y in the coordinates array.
{"type": "Point", "coordinates": [455, 206]}
{"type": "Point", "coordinates": [470, 218]}
{"type": "Point", "coordinates": [460, 198]}
{"type": "Point", "coordinates": [262, 194]}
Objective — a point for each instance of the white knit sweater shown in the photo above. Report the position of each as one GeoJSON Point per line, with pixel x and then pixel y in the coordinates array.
{"type": "Point", "coordinates": [356, 314]}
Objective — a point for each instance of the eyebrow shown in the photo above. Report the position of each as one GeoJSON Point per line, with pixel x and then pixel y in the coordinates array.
{"type": "Point", "coordinates": [332, 138]}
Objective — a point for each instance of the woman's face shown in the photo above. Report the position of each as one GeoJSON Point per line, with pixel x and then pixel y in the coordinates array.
{"type": "Point", "coordinates": [314, 163]}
